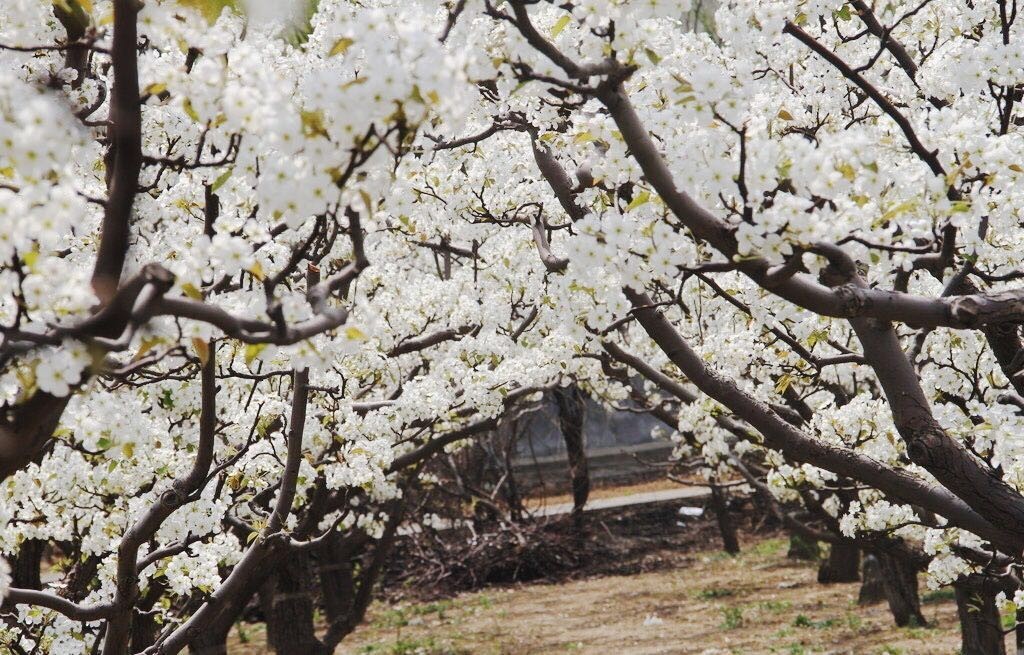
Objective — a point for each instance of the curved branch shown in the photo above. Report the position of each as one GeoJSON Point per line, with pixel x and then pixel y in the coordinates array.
{"type": "Point", "coordinates": [182, 491]}
{"type": "Point", "coordinates": [794, 444]}
{"type": "Point", "coordinates": [60, 605]}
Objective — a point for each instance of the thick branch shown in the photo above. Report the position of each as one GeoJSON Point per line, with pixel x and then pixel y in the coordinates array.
{"type": "Point", "coordinates": [794, 444]}
{"type": "Point", "coordinates": [269, 542]}
{"type": "Point", "coordinates": [846, 301]}
{"type": "Point", "coordinates": [63, 606]}
{"type": "Point", "coordinates": [124, 158]}
{"type": "Point", "coordinates": [425, 341]}
{"type": "Point", "coordinates": [182, 491]}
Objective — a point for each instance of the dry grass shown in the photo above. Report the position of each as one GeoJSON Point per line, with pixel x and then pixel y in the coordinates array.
{"type": "Point", "coordinates": [756, 603]}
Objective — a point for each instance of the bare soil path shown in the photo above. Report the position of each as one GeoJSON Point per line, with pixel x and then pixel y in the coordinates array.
{"type": "Point", "coordinates": [713, 604]}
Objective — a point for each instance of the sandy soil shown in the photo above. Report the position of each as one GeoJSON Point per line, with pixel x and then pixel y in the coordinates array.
{"type": "Point", "coordinates": [612, 491]}
{"type": "Point", "coordinates": [713, 604]}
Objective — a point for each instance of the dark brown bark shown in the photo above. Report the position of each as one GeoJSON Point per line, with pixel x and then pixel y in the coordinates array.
{"type": "Point", "coordinates": [82, 577]}
{"type": "Point", "coordinates": [26, 429]}
{"type": "Point", "coordinates": [797, 446]}
{"type": "Point", "coordinates": [362, 585]}
{"type": "Point", "coordinates": [124, 156]}
{"type": "Point", "coordinates": [803, 549]}
{"type": "Point", "coordinates": [934, 450]}
{"type": "Point", "coordinates": [145, 628]}
{"type": "Point", "coordinates": [1003, 339]}
{"type": "Point", "coordinates": [841, 565]}
{"type": "Point", "coordinates": [213, 639]}
{"type": "Point", "coordinates": [846, 301]}
{"type": "Point", "coordinates": [571, 414]}
{"type": "Point", "coordinates": [726, 525]}
{"type": "Point", "coordinates": [269, 544]}
{"type": "Point", "coordinates": [337, 582]}
{"type": "Point", "coordinates": [182, 490]}
{"type": "Point", "coordinates": [900, 583]}
{"type": "Point", "coordinates": [980, 624]}
{"type": "Point", "coordinates": [872, 589]}
{"type": "Point", "coordinates": [75, 21]}
{"type": "Point", "coordinates": [25, 567]}
{"type": "Point", "coordinates": [928, 445]}
{"type": "Point", "coordinates": [287, 601]}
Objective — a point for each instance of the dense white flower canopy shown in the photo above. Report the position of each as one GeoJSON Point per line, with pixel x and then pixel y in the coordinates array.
{"type": "Point", "coordinates": [258, 267]}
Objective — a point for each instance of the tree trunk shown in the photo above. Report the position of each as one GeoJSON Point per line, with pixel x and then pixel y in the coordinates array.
{"type": "Point", "coordinates": [841, 565]}
{"type": "Point", "coordinates": [980, 625]}
{"type": "Point", "coordinates": [145, 628]}
{"type": "Point", "coordinates": [337, 583]}
{"type": "Point", "coordinates": [571, 415]}
{"type": "Point", "coordinates": [872, 589]}
{"type": "Point", "coordinates": [25, 567]}
{"type": "Point", "coordinates": [726, 526]}
{"type": "Point", "coordinates": [287, 601]}
{"type": "Point", "coordinates": [213, 640]}
{"type": "Point", "coordinates": [82, 577]}
{"type": "Point", "coordinates": [803, 549]}
{"type": "Point", "coordinates": [900, 582]}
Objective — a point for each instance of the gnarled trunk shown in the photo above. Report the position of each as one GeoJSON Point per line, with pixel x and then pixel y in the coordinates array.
{"type": "Point", "coordinates": [337, 582]}
{"type": "Point", "coordinates": [571, 414]}
{"type": "Point", "coordinates": [287, 602]}
{"type": "Point", "coordinates": [213, 639]}
{"type": "Point", "coordinates": [872, 589]}
{"type": "Point", "coordinates": [801, 548]}
{"type": "Point", "coordinates": [726, 526]}
{"type": "Point", "coordinates": [980, 624]}
{"type": "Point", "coordinates": [25, 567]}
{"type": "Point", "coordinates": [841, 565]}
{"type": "Point", "coordinates": [900, 582]}
{"type": "Point", "coordinates": [145, 628]}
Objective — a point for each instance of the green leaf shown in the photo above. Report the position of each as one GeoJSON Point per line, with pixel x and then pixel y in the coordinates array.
{"type": "Point", "coordinates": [783, 383]}
{"type": "Point", "coordinates": [641, 198]}
{"type": "Point", "coordinates": [189, 110]}
{"type": "Point", "coordinates": [30, 258]}
{"type": "Point", "coordinates": [844, 13]}
{"type": "Point", "coordinates": [221, 179]}
{"type": "Point", "coordinates": [847, 171]}
{"type": "Point", "coordinates": [816, 336]}
{"type": "Point", "coordinates": [340, 46]}
{"type": "Point", "coordinates": [253, 350]}
{"type": "Point", "coordinates": [368, 201]}
{"type": "Point", "coordinates": [155, 89]}
{"type": "Point", "coordinates": [191, 291]}
{"type": "Point", "coordinates": [583, 137]}
{"type": "Point", "coordinates": [313, 123]}
{"type": "Point", "coordinates": [560, 25]}
{"type": "Point", "coordinates": [901, 208]}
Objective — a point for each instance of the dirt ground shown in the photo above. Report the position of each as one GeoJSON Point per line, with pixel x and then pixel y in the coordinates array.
{"type": "Point", "coordinates": [662, 587]}
{"type": "Point", "coordinates": [711, 604]}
